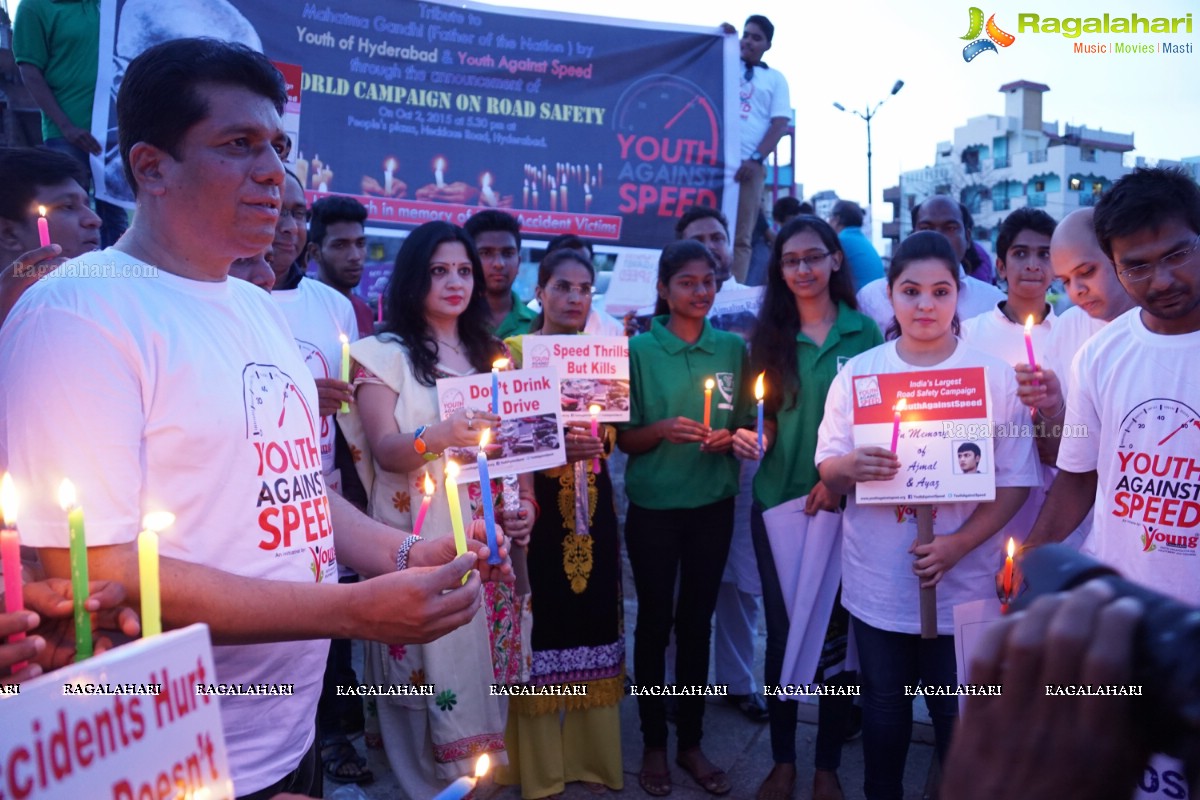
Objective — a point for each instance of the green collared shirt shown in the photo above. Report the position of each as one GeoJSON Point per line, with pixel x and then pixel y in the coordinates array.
{"type": "Point", "coordinates": [787, 470]}
{"type": "Point", "coordinates": [666, 379]}
{"type": "Point", "coordinates": [517, 321]}
{"type": "Point", "coordinates": [62, 39]}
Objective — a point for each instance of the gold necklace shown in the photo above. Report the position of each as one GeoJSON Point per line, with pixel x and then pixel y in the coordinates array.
{"type": "Point", "coordinates": [452, 347]}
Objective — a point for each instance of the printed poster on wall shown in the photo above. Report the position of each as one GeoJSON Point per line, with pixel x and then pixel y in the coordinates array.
{"type": "Point", "coordinates": [942, 460]}
{"type": "Point", "coordinates": [530, 434]}
{"type": "Point", "coordinates": [126, 724]}
{"type": "Point", "coordinates": [592, 371]}
{"type": "Point", "coordinates": [607, 129]}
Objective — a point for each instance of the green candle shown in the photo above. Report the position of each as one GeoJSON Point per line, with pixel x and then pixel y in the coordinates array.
{"type": "Point", "coordinates": [79, 571]}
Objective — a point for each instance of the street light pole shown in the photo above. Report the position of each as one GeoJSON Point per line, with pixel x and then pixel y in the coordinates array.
{"type": "Point", "coordinates": [868, 116]}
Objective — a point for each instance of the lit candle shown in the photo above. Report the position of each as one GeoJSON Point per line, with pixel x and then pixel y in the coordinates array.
{"type": "Point", "coordinates": [587, 174]}
{"type": "Point", "coordinates": [388, 167]}
{"type": "Point", "coordinates": [587, 198]}
{"type": "Point", "coordinates": [497, 365]}
{"type": "Point", "coordinates": [535, 200]}
{"type": "Point", "coordinates": [463, 786]}
{"type": "Point", "coordinates": [10, 557]}
{"type": "Point", "coordinates": [900, 405]}
{"type": "Point", "coordinates": [708, 387]}
{"type": "Point", "coordinates": [152, 524]}
{"type": "Point", "coordinates": [439, 167]}
{"type": "Point", "coordinates": [553, 197]}
{"type": "Point", "coordinates": [424, 505]}
{"type": "Point", "coordinates": [594, 410]}
{"type": "Point", "coordinates": [525, 195]}
{"type": "Point", "coordinates": [485, 492]}
{"type": "Point", "coordinates": [43, 226]}
{"type": "Point", "coordinates": [563, 190]}
{"type": "Point", "coordinates": [79, 570]}
{"type": "Point", "coordinates": [345, 366]}
{"type": "Point", "coordinates": [1029, 344]}
{"type": "Point", "coordinates": [487, 194]}
{"type": "Point", "coordinates": [759, 391]}
{"type": "Point", "coordinates": [1008, 569]}
{"type": "Point", "coordinates": [379, 308]}
{"type": "Point", "coordinates": [456, 520]}
{"type": "Point", "coordinates": [600, 174]}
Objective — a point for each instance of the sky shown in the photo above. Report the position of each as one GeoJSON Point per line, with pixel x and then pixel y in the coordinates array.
{"type": "Point", "coordinates": [853, 51]}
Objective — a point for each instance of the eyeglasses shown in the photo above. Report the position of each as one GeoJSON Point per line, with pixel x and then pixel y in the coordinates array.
{"type": "Point", "coordinates": [1172, 261]}
{"type": "Point", "coordinates": [565, 288]}
{"type": "Point", "coordinates": [790, 263]}
{"type": "Point", "coordinates": [298, 213]}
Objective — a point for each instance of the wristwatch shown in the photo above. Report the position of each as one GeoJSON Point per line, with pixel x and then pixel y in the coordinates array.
{"type": "Point", "coordinates": [420, 446]}
{"type": "Point", "coordinates": [757, 157]}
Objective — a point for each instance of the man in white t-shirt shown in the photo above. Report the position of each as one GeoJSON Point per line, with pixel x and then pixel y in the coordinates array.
{"type": "Point", "coordinates": [944, 215]}
{"type": "Point", "coordinates": [199, 403]}
{"type": "Point", "coordinates": [766, 111]}
{"type": "Point", "coordinates": [1133, 389]}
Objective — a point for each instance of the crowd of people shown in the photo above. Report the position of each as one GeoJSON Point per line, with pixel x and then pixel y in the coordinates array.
{"type": "Point", "coordinates": [188, 378]}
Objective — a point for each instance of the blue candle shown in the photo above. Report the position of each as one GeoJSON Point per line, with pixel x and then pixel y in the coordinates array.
{"type": "Point", "coordinates": [758, 395]}
{"type": "Point", "coordinates": [457, 790]}
{"type": "Point", "coordinates": [489, 508]}
{"type": "Point", "coordinates": [497, 365]}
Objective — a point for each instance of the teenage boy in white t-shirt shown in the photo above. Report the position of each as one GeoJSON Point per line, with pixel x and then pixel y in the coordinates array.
{"type": "Point", "coordinates": [1133, 388]}
{"type": "Point", "coordinates": [198, 403]}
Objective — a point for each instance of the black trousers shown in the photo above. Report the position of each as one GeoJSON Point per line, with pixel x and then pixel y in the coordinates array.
{"type": "Point", "coordinates": [694, 544]}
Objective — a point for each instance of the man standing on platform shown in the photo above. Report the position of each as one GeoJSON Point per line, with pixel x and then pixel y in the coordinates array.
{"type": "Point", "coordinates": [337, 242]}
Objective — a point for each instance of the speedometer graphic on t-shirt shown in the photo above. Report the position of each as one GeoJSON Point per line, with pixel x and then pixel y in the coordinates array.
{"type": "Point", "coordinates": [1157, 423]}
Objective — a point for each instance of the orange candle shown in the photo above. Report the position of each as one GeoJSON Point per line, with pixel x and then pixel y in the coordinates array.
{"type": "Point", "coordinates": [1008, 569]}
{"type": "Point", "coordinates": [708, 387]}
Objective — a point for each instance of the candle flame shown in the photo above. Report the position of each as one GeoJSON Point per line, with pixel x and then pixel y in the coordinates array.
{"type": "Point", "coordinates": [390, 164]}
{"type": "Point", "coordinates": [901, 404]}
{"type": "Point", "coordinates": [41, 211]}
{"type": "Point", "coordinates": [759, 391]}
{"type": "Point", "coordinates": [429, 482]}
{"type": "Point", "coordinates": [344, 338]}
{"type": "Point", "coordinates": [452, 470]}
{"type": "Point", "coordinates": [709, 384]}
{"type": "Point", "coordinates": [1029, 324]}
{"type": "Point", "coordinates": [499, 364]}
{"type": "Point", "coordinates": [66, 495]}
{"type": "Point", "coordinates": [8, 500]}
{"type": "Point", "coordinates": [440, 163]}
{"type": "Point", "coordinates": [593, 409]}
{"type": "Point", "coordinates": [158, 521]}
{"type": "Point", "coordinates": [1012, 547]}
{"type": "Point", "coordinates": [482, 766]}
{"type": "Point", "coordinates": [485, 438]}
{"type": "Point", "coordinates": [486, 180]}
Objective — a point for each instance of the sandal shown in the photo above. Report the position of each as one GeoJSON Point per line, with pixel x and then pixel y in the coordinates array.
{"type": "Point", "coordinates": [715, 781]}
{"type": "Point", "coordinates": [341, 763]}
{"type": "Point", "coordinates": [655, 782]}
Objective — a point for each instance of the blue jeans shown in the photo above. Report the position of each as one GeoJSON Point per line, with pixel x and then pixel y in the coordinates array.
{"type": "Point", "coordinates": [113, 219]}
{"type": "Point", "coordinates": [888, 663]}
{"type": "Point", "coordinates": [833, 711]}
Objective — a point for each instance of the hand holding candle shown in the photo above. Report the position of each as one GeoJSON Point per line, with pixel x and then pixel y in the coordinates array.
{"type": "Point", "coordinates": [43, 226]}
{"type": "Point", "coordinates": [456, 520]}
{"type": "Point", "coordinates": [708, 387]}
{"type": "Point", "coordinates": [428, 487]}
{"type": "Point", "coordinates": [901, 404]}
{"type": "Point", "coordinates": [1008, 570]}
{"type": "Point", "coordinates": [345, 366]}
{"type": "Point", "coordinates": [1029, 345]}
{"type": "Point", "coordinates": [485, 493]}
{"type": "Point", "coordinates": [759, 392]}
{"type": "Point", "coordinates": [79, 570]}
{"type": "Point", "coordinates": [10, 556]}
{"type": "Point", "coordinates": [594, 410]}
{"type": "Point", "coordinates": [463, 786]}
{"type": "Point", "coordinates": [497, 365]}
{"type": "Point", "coordinates": [152, 524]}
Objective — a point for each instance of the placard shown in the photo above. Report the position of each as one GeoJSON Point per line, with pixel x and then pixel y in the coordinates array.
{"type": "Point", "coordinates": [149, 734]}
{"type": "Point", "coordinates": [592, 370]}
{"type": "Point", "coordinates": [633, 282]}
{"type": "Point", "coordinates": [945, 444]}
{"type": "Point", "coordinates": [530, 434]}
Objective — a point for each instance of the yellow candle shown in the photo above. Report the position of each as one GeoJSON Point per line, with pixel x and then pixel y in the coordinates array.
{"type": "Point", "coordinates": [79, 570]}
{"type": "Point", "coordinates": [152, 524]}
{"type": "Point", "coordinates": [345, 367]}
{"type": "Point", "coordinates": [456, 520]}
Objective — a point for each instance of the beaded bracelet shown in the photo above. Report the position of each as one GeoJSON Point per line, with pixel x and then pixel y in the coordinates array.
{"type": "Point", "coordinates": [402, 553]}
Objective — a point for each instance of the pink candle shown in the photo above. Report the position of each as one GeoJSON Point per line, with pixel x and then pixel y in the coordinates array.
{"type": "Point", "coordinates": [379, 311]}
{"type": "Point", "coordinates": [594, 410]}
{"type": "Point", "coordinates": [896, 423]}
{"type": "Point", "coordinates": [1029, 344]}
{"type": "Point", "coordinates": [43, 227]}
{"type": "Point", "coordinates": [10, 557]}
{"type": "Point", "coordinates": [424, 505]}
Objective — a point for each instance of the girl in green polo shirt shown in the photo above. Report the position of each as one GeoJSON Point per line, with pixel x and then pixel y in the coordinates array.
{"type": "Point", "coordinates": [808, 326]}
{"type": "Point", "coordinates": [681, 480]}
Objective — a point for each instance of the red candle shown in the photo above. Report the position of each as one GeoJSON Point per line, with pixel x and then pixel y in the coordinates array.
{"type": "Point", "coordinates": [43, 227]}
{"type": "Point", "coordinates": [424, 505]}
{"type": "Point", "coordinates": [1008, 569]}
{"type": "Point", "coordinates": [896, 422]}
{"type": "Point", "coordinates": [10, 556]}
